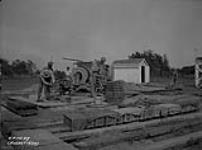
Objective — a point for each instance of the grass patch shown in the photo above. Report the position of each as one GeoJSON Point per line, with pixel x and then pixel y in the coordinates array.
{"type": "Point", "coordinates": [18, 83]}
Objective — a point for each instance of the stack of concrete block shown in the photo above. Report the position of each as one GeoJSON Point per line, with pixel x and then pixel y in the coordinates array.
{"type": "Point", "coordinates": [115, 92]}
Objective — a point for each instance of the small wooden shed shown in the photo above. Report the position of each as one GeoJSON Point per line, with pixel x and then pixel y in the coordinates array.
{"type": "Point", "coordinates": [134, 70]}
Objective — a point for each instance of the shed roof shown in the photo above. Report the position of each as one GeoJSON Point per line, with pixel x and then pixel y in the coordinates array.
{"type": "Point", "coordinates": [133, 61]}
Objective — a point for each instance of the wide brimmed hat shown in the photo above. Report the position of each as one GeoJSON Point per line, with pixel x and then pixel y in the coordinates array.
{"type": "Point", "coordinates": [46, 73]}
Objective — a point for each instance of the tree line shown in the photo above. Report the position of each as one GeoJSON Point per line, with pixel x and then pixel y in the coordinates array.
{"type": "Point", "coordinates": [17, 67]}
{"type": "Point", "coordinates": [159, 64]}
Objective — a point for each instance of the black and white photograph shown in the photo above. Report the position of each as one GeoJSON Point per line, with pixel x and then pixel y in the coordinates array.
{"type": "Point", "coordinates": [101, 74]}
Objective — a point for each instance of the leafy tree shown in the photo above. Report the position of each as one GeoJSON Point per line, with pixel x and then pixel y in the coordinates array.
{"type": "Point", "coordinates": [20, 67]}
{"type": "Point", "coordinates": [187, 70]}
{"type": "Point", "coordinates": [159, 65]}
{"type": "Point", "coordinates": [17, 67]}
{"type": "Point", "coordinates": [6, 67]}
{"type": "Point", "coordinates": [31, 67]}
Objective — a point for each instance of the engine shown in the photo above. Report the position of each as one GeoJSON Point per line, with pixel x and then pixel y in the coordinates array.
{"type": "Point", "coordinates": [84, 76]}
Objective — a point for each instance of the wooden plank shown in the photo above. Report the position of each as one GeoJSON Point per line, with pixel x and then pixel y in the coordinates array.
{"type": "Point", "coordinates": [109, 139]}
{"type": "Point", "coordinates": [177, 143]}
{"type": "Point", "coordinates": [21, 102]}
{"type": "Point", "coordinates": [45, 104]}
{"type": "Point", "coordinates": [51, 104]}
{"type": "Point", "coordinates": [45, 118]}
{"type": "Point", "coordinates": [21, 112]}
{"type": "Point", "coordinates": [59, 146]}
{"type": "Point", "coordinates": [58, 129]}
{"type": "Point", "coordinates": [83, 101]}
{"type": "Point", "coordinates": [141, 134]}
{"type": "Point", "coordinates": [75, 100]}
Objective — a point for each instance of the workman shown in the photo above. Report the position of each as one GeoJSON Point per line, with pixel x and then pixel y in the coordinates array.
{"type": "Point", "coordinates": [46, 80]}
{"type": "Point", "coordinates": [68, 71]}
{"type": "Point", "coordinates": [66, 84]}
{"type": "Point", "coordinates": [102, 68]}
{"type": "Point", "coordinates": [174, 77]}
{"type": "Point", "coordinates": [94, 72]}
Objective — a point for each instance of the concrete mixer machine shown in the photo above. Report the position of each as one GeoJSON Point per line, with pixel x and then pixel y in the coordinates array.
{"type": "Point", "coordinates": [89, 75]}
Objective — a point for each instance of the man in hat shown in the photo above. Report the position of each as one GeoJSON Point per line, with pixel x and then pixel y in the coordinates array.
{"type": "Point", "coordinates": [94, 72]}
{"type": "Point", "coordinates": [46, 80]}
{"type": "Point", "coordinates": [174, 78]}
{"type": "Point", "coordinates": [66, 83]}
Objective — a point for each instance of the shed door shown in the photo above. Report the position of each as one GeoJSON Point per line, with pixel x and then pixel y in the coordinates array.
{"type": "Point", "coordinates": [143, 73]}
{"type": "Point", "coordinates": [127, 74]}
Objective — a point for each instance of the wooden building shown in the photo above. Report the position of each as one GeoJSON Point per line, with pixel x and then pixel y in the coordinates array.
{"type": "Point", "coordinates": [135, 70]}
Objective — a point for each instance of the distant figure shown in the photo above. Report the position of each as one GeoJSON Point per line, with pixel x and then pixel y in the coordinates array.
{"type": "Point", "coordinates": [66, 84]}
{"type": "Point", "coordinates": [102, 68]}
{"type": "Point", "coordinates": [68, 71]}
{"type": "Point", "coordinates": [174, 77]}
{"type": "Point", "coordinates": [46, 80]}
{"type": "Point", "coordinates": [94, 73]}
{"type": "Point", "coordinates": [103, 74]}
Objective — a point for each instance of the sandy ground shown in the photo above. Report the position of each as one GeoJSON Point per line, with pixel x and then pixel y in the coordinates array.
{"type": "Point", "coordinates": [187, 87]}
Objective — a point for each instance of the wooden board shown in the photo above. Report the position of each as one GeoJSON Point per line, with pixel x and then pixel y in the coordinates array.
{"type": "Point", "coordinates": [75, 100]}
{"type": "Point", "coordinates": [149, 132]}
{"type": "Point", "coordinates": [178, 143]}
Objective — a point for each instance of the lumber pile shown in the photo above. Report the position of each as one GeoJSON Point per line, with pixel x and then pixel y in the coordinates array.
{"type": "Point", "coordinates": [21, 107]}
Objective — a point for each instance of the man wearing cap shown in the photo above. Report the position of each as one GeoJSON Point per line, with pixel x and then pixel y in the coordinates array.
{"type": "Point", "coordinates": [46, 80]}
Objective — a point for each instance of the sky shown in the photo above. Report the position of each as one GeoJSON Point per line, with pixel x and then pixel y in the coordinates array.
{"type": "Point", "coordinates": [88, 29]}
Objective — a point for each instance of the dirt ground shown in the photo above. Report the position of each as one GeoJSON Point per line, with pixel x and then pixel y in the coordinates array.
{"type": "Point", "coordinates": [186, 84]}
{"type": "Point", "coordinates": [18, 83]}
{"type": "Point", "coordinates": [26, 82]}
